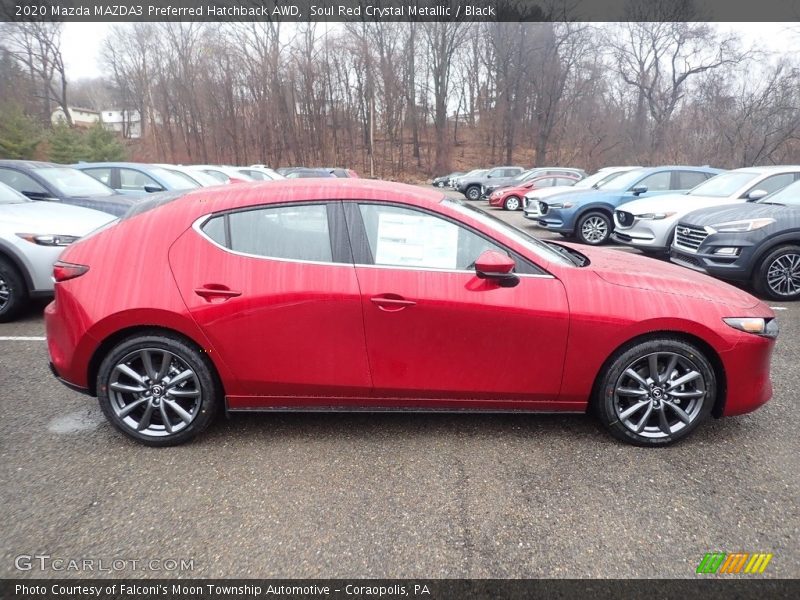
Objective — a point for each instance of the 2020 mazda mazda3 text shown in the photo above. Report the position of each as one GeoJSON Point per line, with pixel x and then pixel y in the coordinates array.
{"type": "Point", "coordinates": [361, 295]}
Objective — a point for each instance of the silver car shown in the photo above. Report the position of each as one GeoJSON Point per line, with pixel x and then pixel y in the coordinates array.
{"type": "Point", "coordinates": [32, 236]}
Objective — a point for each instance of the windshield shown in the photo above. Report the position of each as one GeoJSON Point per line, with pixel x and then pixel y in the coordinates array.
{"type": "Point", "coordinates": [788, 196]}
{"type": "Point", "coordinates": [625, 180]}
{"type": "Point", "coordinates": [11, 196]}
{"type": "Point", "coordinates": [600, 179]}
{"type": "Point", "coordinates": [523, 238]}
{"type": "Point", "coordinates": [725, 185]}
{"type": "Point", "coordinates": [174, 180]}
{"type": "Point", "coordinates": [73, 183]}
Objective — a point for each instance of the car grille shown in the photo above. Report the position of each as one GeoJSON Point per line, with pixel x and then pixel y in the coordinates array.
{"type": "Point", "coordinates": [543, 208]}
{"type": "Point", "coordinates": [686, 259]}
{"type": "Point", "coordinates": [689, 237]}
{"type": "Point", "coordinates": [623, 236]}
{"type": "Point", "coordinates": [625, 218]}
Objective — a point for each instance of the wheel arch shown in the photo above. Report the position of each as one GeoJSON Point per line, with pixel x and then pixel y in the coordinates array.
{"type": "Point", "coordinates": [770, 244]}
{"type": "Point", "coordinates": [115, 338]}
{"type": "Point", "coordinates": [710, 353]}
{"type": "Point", "coordinates": [16, 262]}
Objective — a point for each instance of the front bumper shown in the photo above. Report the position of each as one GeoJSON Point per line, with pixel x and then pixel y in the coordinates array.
{"type": "Point", "coordinates": [747, 374]}
{"type": "Point", "coordinates": [706, 259]}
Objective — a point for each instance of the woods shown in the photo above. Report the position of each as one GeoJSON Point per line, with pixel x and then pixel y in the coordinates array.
{"type": "Point", "coordinates": [408, 100]}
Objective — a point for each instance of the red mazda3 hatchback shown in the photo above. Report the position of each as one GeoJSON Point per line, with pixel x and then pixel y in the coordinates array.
{"type": "Point", "coordinates": [360, 295]}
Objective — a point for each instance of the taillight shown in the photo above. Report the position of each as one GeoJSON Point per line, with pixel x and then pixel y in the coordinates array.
{"type": "Point", "coordinates": [64, 270]}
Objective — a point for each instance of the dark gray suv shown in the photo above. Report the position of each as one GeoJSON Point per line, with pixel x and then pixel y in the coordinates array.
{"type": "Point", "coordinates": [755, 242]}
{"type": "Point", "coordinates": [471, 186]}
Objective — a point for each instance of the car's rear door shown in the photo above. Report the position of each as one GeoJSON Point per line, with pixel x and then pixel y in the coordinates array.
{"type": "Point", "coordinates": [275, 290]}
{"type": "Point", "coordinates": [435, 331]}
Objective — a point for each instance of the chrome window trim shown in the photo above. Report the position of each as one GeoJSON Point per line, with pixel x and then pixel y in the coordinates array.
{"type": "Point", "coordinates": [200, 221]}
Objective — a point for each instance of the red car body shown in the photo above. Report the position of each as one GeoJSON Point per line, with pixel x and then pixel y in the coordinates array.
{"type": "Point", "coordinates": [498, 197]}
{"type": "Point", "coordinates": [285, 334]}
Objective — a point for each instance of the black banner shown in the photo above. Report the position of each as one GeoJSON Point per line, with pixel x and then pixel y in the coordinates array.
{"type": "Point", "coordinates": [399, 10]}
{"type": "Point", "coordinates": [712, 588]}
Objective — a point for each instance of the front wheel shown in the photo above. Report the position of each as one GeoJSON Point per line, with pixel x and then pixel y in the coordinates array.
{"type": "Point", "coordinates": [473, 192]}
{"type": "Point", "coordinates": [511, 203]}
{"type": "Point", "coordinates": [594, 228]}
{"type": "Point", "coordinates": [778, 274]}
{"type": "Point", "coordinates": [157, 389]}
{"type": "Point", "coordinates": [656, 392]}
{"type": "Point", "coordinates": [13, 292]}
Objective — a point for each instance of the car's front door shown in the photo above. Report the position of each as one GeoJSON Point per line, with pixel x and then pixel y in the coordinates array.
{"type": "Point", "coordinates": [275, 290]}
{"type": "Point", "coordinates": [435, 331]}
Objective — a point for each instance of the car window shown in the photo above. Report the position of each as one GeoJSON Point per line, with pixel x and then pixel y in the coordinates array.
{"type": "Point", "coordinates": [495, 173]}
{"type": "Point", "coordinates": [20, 182]}
{"type": "Point", "coordinates": [409, 238]}
{"type": "Point", "coordinates": [689, 179]}
{"type": "Point", "coordinates": [11, 196]}
{"type": "Point", "coordinates": [656, 182]}
{"type": "Point", "coordinates": [292, 232]}
{"type": "Point", "coordinates": [102, 175]}
{"type": "Point", "coordinates": [257, 175]}
{"type": "Point", "coordinates": [564, 181]}
{"type": "Point", "coordinates": [218, 175]}
{"type": "Point", "coordinates": [130, 179]}
{"type": "Point", "coordinates": [74, 183]}
{"type": "Point", "coordinates": [511, 172]}
{"type": "Point", "coordinates": [773, 183]}
{"type": "Point", "coordinates": [215, 229]}
{"type": "Point", "coordinates": [546, 182]}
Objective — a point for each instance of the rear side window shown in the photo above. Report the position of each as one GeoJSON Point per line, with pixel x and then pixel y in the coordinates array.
{"type": "Point", "coordinates": [102, 175]}
{"type": "Point", "coordinates": [290, 232]}
{"type": "Point", "coordinates": [689, 179]}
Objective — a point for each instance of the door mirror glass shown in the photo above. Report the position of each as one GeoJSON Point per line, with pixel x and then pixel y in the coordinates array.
{"type": "Point", "coordinates": [756, 195]}
{"type": "Point", "coordinates": [151, 188]}
{"type": "Point", "coordinates": [639, 189]}
{"type": "Point", "coordinates": [498, 267]}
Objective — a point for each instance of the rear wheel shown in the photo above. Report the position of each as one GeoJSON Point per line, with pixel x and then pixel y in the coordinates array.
{"type": "Point", "coordinates": [656, 392]}
{"type": "Point", "coordinates": [511, 203]}
{"type": "Point", "coordinates": [13, 292]}
{"type": "Point", "coordinates": [157, 389]}
{"type": "Point", "coordinates": [473, 192]}
{"type": "Point", "coordinates": [594, 228]}
{"type": "Point", "coordinates": [778, 274]}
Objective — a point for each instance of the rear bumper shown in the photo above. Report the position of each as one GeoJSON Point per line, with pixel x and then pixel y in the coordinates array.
{"type": "Point", "coordinates": [72, 386]}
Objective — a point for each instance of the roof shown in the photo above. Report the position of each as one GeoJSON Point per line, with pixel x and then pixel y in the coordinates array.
{"type": "Point", "coordinates": [770, 169]}
{"type": "Point", "coordinates": [29, 164]}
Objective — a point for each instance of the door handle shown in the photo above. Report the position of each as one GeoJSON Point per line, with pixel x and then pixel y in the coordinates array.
{"type": "Point", "coordinates": [212, 291]}
{"type": "Point", "coordinates": [391, 302]}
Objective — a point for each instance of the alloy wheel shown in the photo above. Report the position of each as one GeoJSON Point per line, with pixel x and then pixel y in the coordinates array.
{"type": "Point", "coordinates": [783, 275]}
{"type": "Point", "coordinates": [512, 203]}
{"type": "Point", "coordinates": [154, 392]}
{"type": "Point", "coordinates": [5, 292]}
{"type": "Point", "coordinates": [659, 394]}
{"type": "Point", "coordinates": [473, 193]}
{"type": "Point", "coordinates": [594, 229]}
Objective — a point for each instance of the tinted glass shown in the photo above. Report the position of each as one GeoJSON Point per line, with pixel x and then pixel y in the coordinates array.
{"type": "Point", "coordinates": [689, 179]}
{"type": "Point", "coordinates": [292, 232]}
{"type": "Point", "coordinates": [130, 179]}
{"type": "Point", "coordinates": [11, 196]}
{"type": "Point", "coordinates": [790, 196]}
{"type": "Point", "coordinates": [724, 185]}
{"type": "Point", "coordinates": [409, 238]}
{"type": "Point", "coordinates": [103, 175]}
{"type": "Point", "coordinates": [774, 183]}
{"type": "Point", "coordinates": [215, 229]}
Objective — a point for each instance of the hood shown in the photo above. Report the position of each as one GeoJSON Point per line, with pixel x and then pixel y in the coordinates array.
{"type": "Point", "coordinates": [681, 203]}
{"type": "Point", "coordinates": [53, 218]}
{"type": "Point", "coordinates": [737, 212]}
{"type": "Point", "coordinates": [634, 271]}
{"type": "Point", "coordinates": [516, 189]}
{"type": "Point", "coordinates": [552, 191]}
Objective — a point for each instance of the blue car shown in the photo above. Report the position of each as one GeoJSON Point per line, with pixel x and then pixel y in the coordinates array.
{"type": "Point", "coordinates": [589, 214]}
{"type": "Point", "coordinates": [137, 179]}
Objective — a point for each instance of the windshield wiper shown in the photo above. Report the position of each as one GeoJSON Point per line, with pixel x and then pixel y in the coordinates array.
{"type": "Point", "coordinates": [574, 257]}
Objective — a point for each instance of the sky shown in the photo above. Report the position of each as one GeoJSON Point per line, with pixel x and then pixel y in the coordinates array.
{"type": "Point", "coordinates": [82, 43]}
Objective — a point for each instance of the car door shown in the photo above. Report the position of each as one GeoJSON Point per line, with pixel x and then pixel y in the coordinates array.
{"type": "Point", "coordinates": [435, 331]}
{"type": "Point", "coordinates": [275, 290]}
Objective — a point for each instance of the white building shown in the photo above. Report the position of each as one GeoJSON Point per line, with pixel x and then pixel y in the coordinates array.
{"type": "Point", "coordinates": [128, 123]}
{"type": "Point", "coordinates": [81, 117]}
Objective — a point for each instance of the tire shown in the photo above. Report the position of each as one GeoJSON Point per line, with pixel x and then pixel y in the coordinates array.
{"type": "Point", "coordinates": [777, 276]}
{"type": "Point", "coordinates": [594, 228]}
{"type": "Point", "coordinates": [473, 192]}
{"type": "Point", "coordinates": [565, 235]}
{"type": "Point", "coordinates": [197, 395]}
{"type": "Point", "coordinates": [13, 291]}
{"type": "Point", "coordinates": [635, 415]}
{"type": "Point", "coordinates": [512, 203]}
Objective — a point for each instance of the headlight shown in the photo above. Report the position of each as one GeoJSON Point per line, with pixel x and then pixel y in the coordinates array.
{"type": "Point", "coordinates": [562, 205]}
{"type": "Point", "coordinates": [655, 216]}
{"type": "Point", "coordinates": [757, 325]}
{"type": "Point", "coordinates": [49, 239]}
{"type": "Point", "coordinates": [741, 226]}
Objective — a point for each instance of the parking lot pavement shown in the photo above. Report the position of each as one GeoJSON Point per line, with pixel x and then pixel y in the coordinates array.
{"type": "Point", "coordinates": [392, 495]}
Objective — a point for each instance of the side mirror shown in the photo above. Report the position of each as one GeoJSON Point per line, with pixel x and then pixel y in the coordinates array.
{"type": "Point", "coordinates": [639, 189]}
{"type": "Point", "coordinates": [756, 195]}
{"type": "Point", "coordinates": [498, 267]}
{"type": "Point", "coordinates": [152, 189]}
